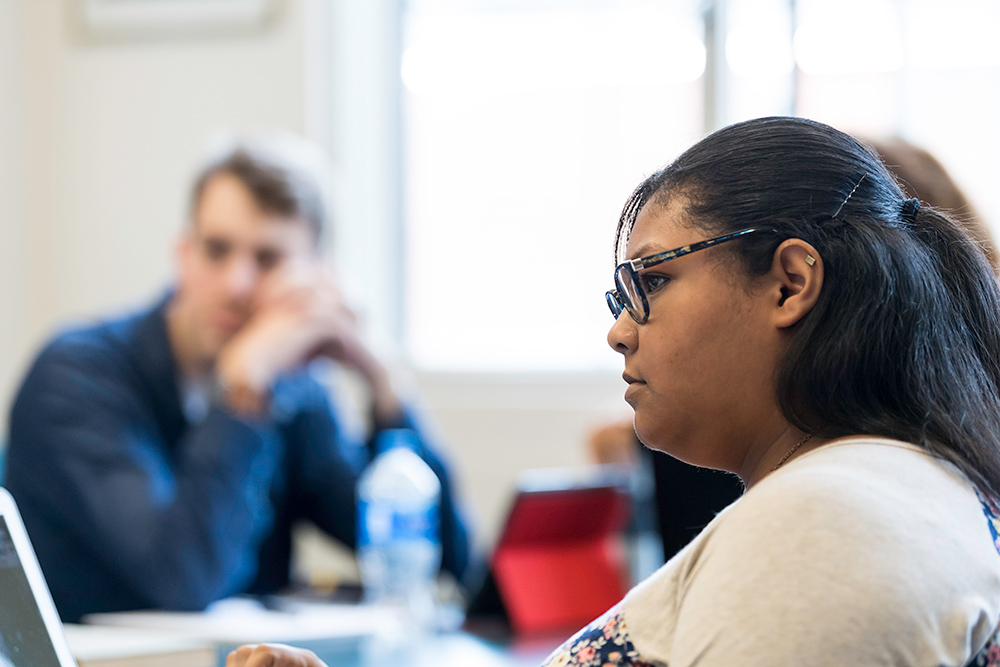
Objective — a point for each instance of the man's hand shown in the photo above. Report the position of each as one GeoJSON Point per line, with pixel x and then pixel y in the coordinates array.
{"type": "Point", "coordinates": [272, 655]}
{"type": "Point", "coordinates": [299, 314]}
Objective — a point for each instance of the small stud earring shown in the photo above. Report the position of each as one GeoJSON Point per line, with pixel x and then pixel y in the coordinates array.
{"type": "Point", "coordinates": [810, 260]}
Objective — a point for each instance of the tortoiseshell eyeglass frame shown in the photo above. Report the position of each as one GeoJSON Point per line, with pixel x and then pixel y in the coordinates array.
{"type": "Point", "coordinates": [619, 298]}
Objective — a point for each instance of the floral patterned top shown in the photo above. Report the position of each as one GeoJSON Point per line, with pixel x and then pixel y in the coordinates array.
{"type": "Point", "coordinates": [989, 655]}
{"type": "Point", "coordinates": [605, 642]}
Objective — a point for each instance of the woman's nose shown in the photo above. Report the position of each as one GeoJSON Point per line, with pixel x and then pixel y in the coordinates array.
{"type": "Point", "coordinates": [622, 337]}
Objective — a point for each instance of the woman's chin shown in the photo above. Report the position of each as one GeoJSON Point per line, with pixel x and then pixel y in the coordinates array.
{"type": "Point", "coordinates": [671, 445]}
{"type": "Point", "coordinates": [652, 438]}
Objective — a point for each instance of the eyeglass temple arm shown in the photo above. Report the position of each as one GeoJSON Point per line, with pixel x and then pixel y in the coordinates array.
{"type": "Point", "coordinates": [644, 262]}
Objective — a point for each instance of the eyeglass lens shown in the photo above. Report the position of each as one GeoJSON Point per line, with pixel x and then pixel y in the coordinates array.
{"type": "Point", "coordinates": [616, 307]}
{"type": "Point", "coordinates": [630, 293]}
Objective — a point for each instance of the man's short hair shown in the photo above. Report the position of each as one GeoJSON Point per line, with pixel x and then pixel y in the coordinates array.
{"type": "Point", "coordinates": [283, 172]}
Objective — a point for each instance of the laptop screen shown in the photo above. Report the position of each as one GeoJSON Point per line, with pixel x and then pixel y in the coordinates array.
{"type": "Point", "coordinates": [24, 640]}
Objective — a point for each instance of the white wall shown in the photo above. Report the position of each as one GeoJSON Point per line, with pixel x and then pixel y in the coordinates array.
{"type": "Point", "coordinates": [97, 143]}
{"type": "Point", "coordinates": [14, 231]}
{"type": "Point", "coordinates": [114, 130]}
{"type": "Point", "coordinates": [502, 425]}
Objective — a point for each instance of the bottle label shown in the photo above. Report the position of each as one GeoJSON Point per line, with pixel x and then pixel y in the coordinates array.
{"type": "Point", "coordinates": [381, 524]}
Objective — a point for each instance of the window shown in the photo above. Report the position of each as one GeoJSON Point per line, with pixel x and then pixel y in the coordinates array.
{"type": "Point", "coordinates": [925, 70]}
{"type": "Point", "coordinates": [526, 124]}
{"type": "Point", "coordinates": [525, 130]}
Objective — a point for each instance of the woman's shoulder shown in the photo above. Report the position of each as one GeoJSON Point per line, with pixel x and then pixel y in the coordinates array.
{"type": "Point", "coordinates": [865, 496]}
{"type": "Point", "coordinates": [866, 474]}
{"type": "Point", "coordinates": [865, 526]}
{"type": "Point", "coordinates": [884, 517]}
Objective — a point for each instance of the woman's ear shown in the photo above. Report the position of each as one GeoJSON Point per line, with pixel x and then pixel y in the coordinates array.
{"type": "Point", "coordinates": [798, 272]}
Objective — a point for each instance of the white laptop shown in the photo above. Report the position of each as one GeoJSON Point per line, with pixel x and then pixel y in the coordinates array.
{"type": "Point", "coordinates": [30, 631]}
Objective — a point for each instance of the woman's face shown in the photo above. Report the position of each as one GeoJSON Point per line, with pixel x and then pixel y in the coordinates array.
{"type": "Point", "coordinates": [701, 369]}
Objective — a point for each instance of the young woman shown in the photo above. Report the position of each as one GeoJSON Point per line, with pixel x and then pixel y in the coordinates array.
{"type": "Point", "coordinates": [786, 314]}
{"type": "Point", "coordinates": [688, 497]}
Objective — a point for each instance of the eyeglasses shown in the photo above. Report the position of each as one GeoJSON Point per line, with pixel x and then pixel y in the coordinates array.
{"type": "Point", "coordinates": [630, 292]}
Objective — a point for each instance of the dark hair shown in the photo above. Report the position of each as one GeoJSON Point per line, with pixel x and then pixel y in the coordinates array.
{"type": "Point", "coordinates": [920, 174]}
{"type": "Point", "coordinates": [276, 169]}
{"type": "Point", "coordinates": [904, 339]}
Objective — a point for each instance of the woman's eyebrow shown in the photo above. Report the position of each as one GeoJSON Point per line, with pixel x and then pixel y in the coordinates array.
{"type": "Point", "coordinates": [646, 249]}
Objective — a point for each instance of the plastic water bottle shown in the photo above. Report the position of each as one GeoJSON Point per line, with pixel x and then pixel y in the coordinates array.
{"type": "Point", "coordinates": [399, 543]}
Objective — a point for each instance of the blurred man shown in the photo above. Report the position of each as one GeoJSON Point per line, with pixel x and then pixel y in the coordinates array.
{"type": "Point", "coordinates": [160, 460]}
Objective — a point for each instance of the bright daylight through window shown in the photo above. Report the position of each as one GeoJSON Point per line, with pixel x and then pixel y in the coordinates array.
{"type": "Point", "coordinates": [525, 131]}
{"type": "Point", "coordinates": [527, 123]}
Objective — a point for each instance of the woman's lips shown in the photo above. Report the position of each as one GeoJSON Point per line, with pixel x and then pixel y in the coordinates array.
{"type": "Point", "coordinates": [634, 385]}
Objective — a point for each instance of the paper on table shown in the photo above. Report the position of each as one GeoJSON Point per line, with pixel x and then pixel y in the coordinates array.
{"type": "Point", "coordinates": [240, 621]}
{"type": "Point", "coordinates": [116, 647]}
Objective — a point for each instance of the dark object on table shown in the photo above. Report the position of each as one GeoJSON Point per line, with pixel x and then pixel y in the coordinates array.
{"type": "Point", "coordinates": [687, 498]}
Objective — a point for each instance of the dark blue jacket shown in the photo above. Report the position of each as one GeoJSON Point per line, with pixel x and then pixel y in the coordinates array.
{"type": "Point", "coordinates": [130, 506]}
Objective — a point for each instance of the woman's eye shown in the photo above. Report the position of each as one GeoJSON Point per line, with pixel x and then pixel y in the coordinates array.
{"type": "Point", "coordinates": [652, 282]}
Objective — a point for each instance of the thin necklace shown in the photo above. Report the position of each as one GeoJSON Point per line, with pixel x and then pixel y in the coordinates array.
{"type": "Point", "coordinates": [792, 451]}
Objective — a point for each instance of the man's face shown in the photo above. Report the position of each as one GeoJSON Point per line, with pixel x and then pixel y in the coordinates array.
{"type": "Point", "coordinates": [225, 259]}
